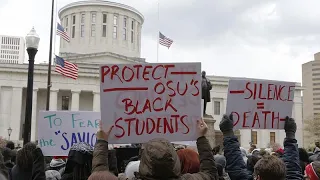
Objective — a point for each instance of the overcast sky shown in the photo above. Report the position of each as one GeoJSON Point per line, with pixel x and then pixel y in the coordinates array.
{"type": "Point", "coordinates": [266, 39]}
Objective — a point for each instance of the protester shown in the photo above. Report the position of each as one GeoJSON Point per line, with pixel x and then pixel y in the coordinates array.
{"type": "Point", "coordinates": [10, 145]}
{"type": "Point", "coordinates": [317, 148]}
{"type": "Point", "coordinates": [23, 169]}
{"type": "Point", "coordinates": [273, 168]}
{"type": "Point", "coordinates": [131, 169]}
{"type": "Point", "coordinates": [189, 160]}
{"type": "Point", "coordinates": [7, 156]}
{"type": "Point", "coordinates": [244, 155]}
{"type": "Point", "coordinates": [79, 162]}
{"type": "Point", "coordinates": [304, 159]}
{"type": "Point", "coordinates": [102, 175]}
{"type": "Point", "coordinates": [3, 169]}
{"type": "Point", "coordinates": [159, 160]}
{"type": "Point", "coordinates": [53, 175]}
{"type": "Point", "coordinates": [57, 164]}
{"type": "Point", "coordinates": [252, 147]}
{"type": "Point", "coordinates": [312, 171]}
{"type": "Point", "coordinates": [221, 165]}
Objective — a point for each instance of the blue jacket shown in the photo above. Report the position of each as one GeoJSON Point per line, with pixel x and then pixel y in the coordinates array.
{"type": "Point", "coordinates": [237, 169]}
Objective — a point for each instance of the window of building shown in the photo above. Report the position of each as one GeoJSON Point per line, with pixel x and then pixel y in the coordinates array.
{"type": "Point", "coordinates": [316, 98]}
{"type": "Point", "coordinates": [315, 74]}
{"type": "Point", "coordinates": [73, 26]}
{"type": "Point", "coordinates": [82, 30]}
{"type": "Point", "coordinates": [272, 137]}
{"type": "Point", "coordinates": [93, 30]}
{"type": "Point", "coordinates": [138, 36]}
{"type": "Point", "coordinates": [316, 64]}
{"type": "Point", "coordinates": [66, 24]}
{"type": "Point", "coordinates": [73, 31]}
{"type": "Point", "coordinates": [124, 34]}
{"type": "Point", "coordinates": [93, 24]}
{"type": "Point", "coordinates": [254, 137]}
{"type": "Point", "coordinates": [82, 23]}
{"type": "Point", "coordinates": [83, 16]}
{"type": "Point", "coordinates": [316, 109]}
{"type": "Point", "coordinates": [316, 84]}
{"type": "Point", "coordinates": [316, 89]}
{"type": "Point", "coordinates": [115, 26]}
{"type": "Point", "coordinates": [115, 20]}
{"type": "Point", "coordinates": [104, 25]}
{"type": "Point", "coordinates": [315, 79]}
{"type": "Point", "coordinates": [65, 103]}
{"type": "Point", "coordinates": [316, 104]}
{"type": "Point", "coordinates": [132, 31]}
{"type": "Point", "coordinates": [216, 105]}
{"type": "Point", "coordinates": [93, 17]}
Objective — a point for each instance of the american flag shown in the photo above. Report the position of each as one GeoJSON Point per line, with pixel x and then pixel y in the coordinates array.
{"type": "Point", "coordinates": [165, 41]}
{"type": "Point", "coordinates": [66, 68]}
{"type": "Point", "coordinates": [62, 33]}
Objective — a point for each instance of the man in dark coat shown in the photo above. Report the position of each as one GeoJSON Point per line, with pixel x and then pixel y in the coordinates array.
{"type": "Point", "coordinates": [206, 86]}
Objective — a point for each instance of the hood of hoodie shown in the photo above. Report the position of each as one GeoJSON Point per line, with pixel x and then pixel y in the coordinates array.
{"type": "Point", "coordinates": [57, 163]}
{"type": "Point", "coordinates": [159, 160]}
{"type": "Point", "coordinates": [243, 152]}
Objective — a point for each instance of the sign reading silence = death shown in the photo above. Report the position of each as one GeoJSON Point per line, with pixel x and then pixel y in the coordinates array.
{"type": "Point", "coordinates": [260, 104]}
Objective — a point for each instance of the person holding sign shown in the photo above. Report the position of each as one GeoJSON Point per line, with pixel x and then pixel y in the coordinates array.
{"type": "Point", "coordinates": [268, 167]}
{"type": "Point", "coordinates": [159, 160]}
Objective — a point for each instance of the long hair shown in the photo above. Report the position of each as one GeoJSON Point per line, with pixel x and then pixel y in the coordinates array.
{"type": "Point", "coordinates": [24, 157]}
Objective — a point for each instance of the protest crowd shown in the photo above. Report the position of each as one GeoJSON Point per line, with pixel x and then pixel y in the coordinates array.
{"type": "Point", "coordinates": [159, 159]}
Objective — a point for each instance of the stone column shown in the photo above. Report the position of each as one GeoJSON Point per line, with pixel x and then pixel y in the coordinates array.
{"type": "Point", "coordinates": [96, 101]}
{"type": "Point", "coordinates": [16, 113]}
{"type": "Point", "coordinates": [75, 100]}
{"type": "Point", "coordinates": [34, 116]}
{"type": "Point", "coordinates": [211, 132]}
{"type": "Point", "coordinates": [6, 102]}
{"type": "Point", "coordinates": [53, 99]}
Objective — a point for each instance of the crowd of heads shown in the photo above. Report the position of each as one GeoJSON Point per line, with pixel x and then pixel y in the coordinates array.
{"type": "Point", "coordinates": [160, 159]}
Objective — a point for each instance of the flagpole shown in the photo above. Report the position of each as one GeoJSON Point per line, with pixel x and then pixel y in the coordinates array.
{"type": "Point", "coordinates": [55, 28]}
{"type": "Point", "coordinates": [50, 59]}
{"type": "Point", "coordinates": [158, 33]}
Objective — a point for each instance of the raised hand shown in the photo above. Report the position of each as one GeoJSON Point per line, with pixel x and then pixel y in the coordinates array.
{"type": "Point", "coordinates": [290, 127]}
{"type": "Point", "coordinates": [226, 125]}
{"type": "Point", "coordinates": [101, 134]}
{"type": "Point", "coordinates": [202, 127]}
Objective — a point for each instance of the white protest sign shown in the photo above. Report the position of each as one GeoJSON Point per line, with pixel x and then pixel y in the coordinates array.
{"type": "Point", "coordinates": [259, 104]}
{"type": "Point", "coordinates": [147, 101]}
{"type": "Point", "coordinates": [59, 130]}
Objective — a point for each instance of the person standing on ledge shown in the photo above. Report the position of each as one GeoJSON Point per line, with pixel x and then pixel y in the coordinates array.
{"type": "Point", "coordinates": [206, 86]}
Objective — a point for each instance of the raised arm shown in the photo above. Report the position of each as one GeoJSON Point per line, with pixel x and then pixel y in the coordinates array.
{"type": "Point", "coordinates": [235, 167]}
{"type": "Point", "coordinates": [208, 169]}
{"type": "Point", "coordinates": [291, 153]}
{"type": "Point", "coordinates": [100, 153]}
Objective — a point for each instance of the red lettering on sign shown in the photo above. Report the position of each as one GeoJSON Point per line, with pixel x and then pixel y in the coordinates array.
{"type": "Point", "coordinates": [274, 92]}
{"type": "Point", "coordinates": [161, 125]}
{"type": "Point", "coordinates": [137, 100]}
{"type": "Point", "coordinates": [257, 120]}
{"type": "Point", "coordinates": [135, 72]}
